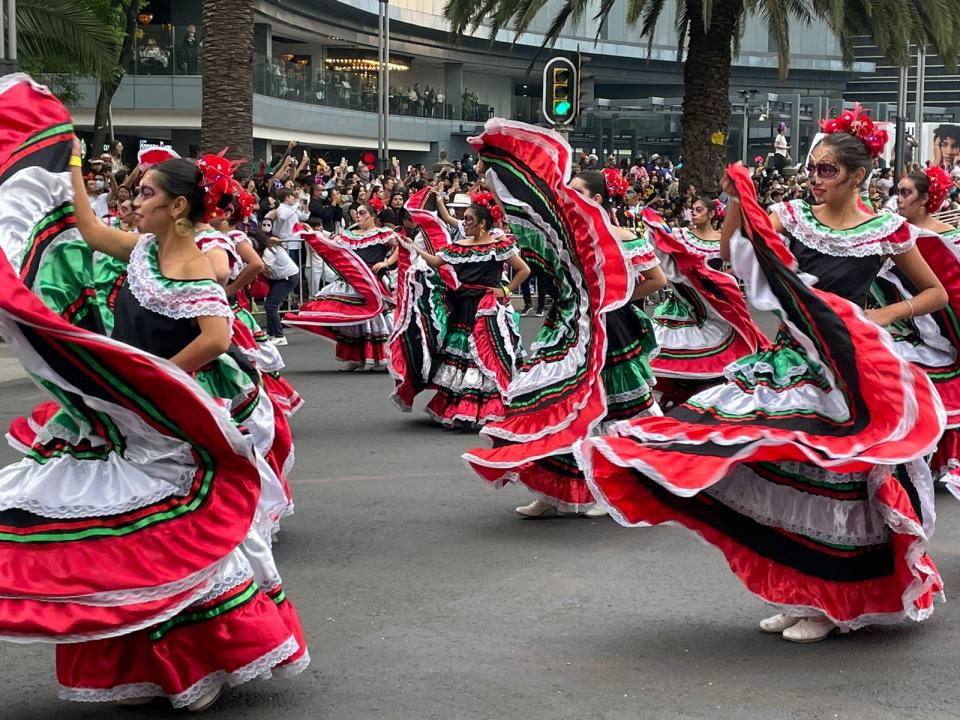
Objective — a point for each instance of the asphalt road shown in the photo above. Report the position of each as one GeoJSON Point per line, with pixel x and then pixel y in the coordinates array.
{"type": "Point", "coordinates": [424, 597]}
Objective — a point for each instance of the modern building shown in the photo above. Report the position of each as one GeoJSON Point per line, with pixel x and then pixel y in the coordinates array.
{"type": "Point", "coordinates": [315, 79]}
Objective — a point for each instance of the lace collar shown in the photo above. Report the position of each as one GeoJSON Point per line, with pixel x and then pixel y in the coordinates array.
{"type": "Point", "coordinates": [500, 249]}
{"type": "Point", "coordinates": [377, 236]}
{"type": "Point", "coordinates": [175, 299]}
{"type": "Point", "coordinates": [699, 245]}
{"type": "Point", "coordinates": [884, 234]}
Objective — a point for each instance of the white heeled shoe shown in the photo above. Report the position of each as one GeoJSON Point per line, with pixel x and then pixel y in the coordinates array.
{"type": "Point", "coordinates": [778, 623]}
{"type": "Point", "coordinates": [205, 701]}
{"type": "Point", "coordinates": [810, 630]}
{"type": "Point", "coordinates": [597, 511]}
{"type": "Point", "coordinates": [537, 509]}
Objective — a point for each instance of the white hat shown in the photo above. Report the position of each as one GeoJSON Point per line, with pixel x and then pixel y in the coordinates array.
{"type": "Point", "coordinates": [655, 156]}
{"type": "Point", "coordinates": [460, 200]}
{"type": "Point", "coordinates": [592, 158]}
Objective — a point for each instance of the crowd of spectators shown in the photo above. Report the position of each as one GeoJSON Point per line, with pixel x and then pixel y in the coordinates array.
{"type": "Point", "coordinates": [297, 188]}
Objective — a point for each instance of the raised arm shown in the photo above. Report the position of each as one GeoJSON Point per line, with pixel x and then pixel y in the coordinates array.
{"type": "Point", "coordinates": [100, 237]}
{"type": "Point", "coordinates": [444, 213]}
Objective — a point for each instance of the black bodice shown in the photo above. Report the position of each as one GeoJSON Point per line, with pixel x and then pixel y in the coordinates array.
{"type": "Point", "coordinates": [487, 273]}
{"type": "Point", "coordinates": [849, 277]}
{"type": "Point", "coordinates": [372, 254]}
{"type": "Point", "coordinates": [149, 330]}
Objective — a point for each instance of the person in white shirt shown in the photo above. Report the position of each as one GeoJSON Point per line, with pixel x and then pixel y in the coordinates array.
{"type": "Point", "coordinates": [285, 217]}
{"type": "Point", "coordinates": [781, 148]}
{"type": "Point", "coordinates": [283, 276]}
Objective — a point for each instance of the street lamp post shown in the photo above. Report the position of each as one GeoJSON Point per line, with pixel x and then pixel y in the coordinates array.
{"type": "Point", "coordinates": [747, 96]}
{"type": "Point", "coordinates": [8, 43]}
{"type": "Point", "coordinates": [383, 96]}
{"type": "Point", "coordinates": [901, 145]}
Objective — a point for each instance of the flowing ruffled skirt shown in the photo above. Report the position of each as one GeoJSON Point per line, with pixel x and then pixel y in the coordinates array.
{"type": "Point", "coordinates": [813, 487]}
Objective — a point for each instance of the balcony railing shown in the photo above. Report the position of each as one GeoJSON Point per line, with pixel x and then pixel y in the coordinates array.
{"type": "Point", "coordinates": [166, 50]}
{"type": "Point", "coordinates": [300, 82]}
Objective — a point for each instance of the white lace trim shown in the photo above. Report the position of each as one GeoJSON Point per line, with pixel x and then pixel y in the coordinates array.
{"type": "Point", "coordinates": [262, 667]}
{"type": "Point", "coordinates": [709, 249]}
{"type": "Point", "coordinates": [375, 237]}
{"type": "Point", "coordinates": [181, 299]}
{"type": "Point", "coordinates": [872, 240]}
{"type": "Point", "coordinates": [454, 258]}
{"type": "Point", "coordinates": [751, 370]}
{"type": "Point", "coordinates": [179, 488]}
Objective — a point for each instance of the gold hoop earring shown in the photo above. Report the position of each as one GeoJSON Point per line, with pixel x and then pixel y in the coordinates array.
{"type": "Point", "coordinates": [183, 227]}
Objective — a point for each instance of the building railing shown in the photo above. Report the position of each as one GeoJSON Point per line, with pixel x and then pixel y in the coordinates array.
{"type": "Point", "coordinates": [301, 82]}
{"type": "Point", "coordinates": [166, 50]}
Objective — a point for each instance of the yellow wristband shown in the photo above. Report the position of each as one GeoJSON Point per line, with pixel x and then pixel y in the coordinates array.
{"type": "Point", "coordinates": [75, 161]}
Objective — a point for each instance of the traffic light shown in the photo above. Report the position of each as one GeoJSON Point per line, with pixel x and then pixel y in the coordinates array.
{"type": "Point", "coordinates": [560, 90]}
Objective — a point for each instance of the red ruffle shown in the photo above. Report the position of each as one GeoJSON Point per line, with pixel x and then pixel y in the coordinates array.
{"type": "Point", "coordinates": [841, 601]}
{"type": "Point", "coordinates": [183, 656]}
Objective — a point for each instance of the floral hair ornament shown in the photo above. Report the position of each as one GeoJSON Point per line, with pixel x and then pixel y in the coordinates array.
{"type": "Point", "coordinates": [938, 187]}
{"type": "Point", "coordinates": [858, 123]}
{"type": "Point", "coordinates": [486, 199]}
{"type": "Point", "coordinates": [719, 210]}
{"type": "Point", "coordinates": [245, 201]}
{"type": "Point", "coordinates": [217, 180]}
{"type": "Point", "coordinates": [616, 183]}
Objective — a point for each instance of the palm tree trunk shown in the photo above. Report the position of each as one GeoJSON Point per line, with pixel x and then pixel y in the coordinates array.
{"type": "Point", "coordinates": [108, 88]}
{"type": "Point", "coordinates": [227, 115]}
{"type": "Point", "coordinates": [706, 101]}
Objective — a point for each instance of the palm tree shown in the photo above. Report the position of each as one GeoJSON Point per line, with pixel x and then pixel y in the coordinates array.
{"type": "Point", "coordinates": [227, 116]}
{"type": "Point", "coordinates": [710, 30]}
{"type": "Point", "coordinates": [62, 39]}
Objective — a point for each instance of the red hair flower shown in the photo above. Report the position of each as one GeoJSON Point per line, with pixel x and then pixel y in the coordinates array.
{"type": "Point", "coordinates": [489, 201]}
{"type": "Point", "coordinates": [616, 183]}
{"type": "Point", "coordinates": [858, 123]}
{"type": "Point", "coordinates": [719, 210]}
{"type": "Point", "coordinates": [217, 180]}
{"type": "Point", "coordinates": [938, 187]}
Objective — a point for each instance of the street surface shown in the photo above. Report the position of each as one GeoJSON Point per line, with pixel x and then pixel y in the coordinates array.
{"type": "Point", "coordinates": [424, 597]}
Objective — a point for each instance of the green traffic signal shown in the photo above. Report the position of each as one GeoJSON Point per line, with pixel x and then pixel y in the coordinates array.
{"type": "Point", "coordinates": [562, 107]}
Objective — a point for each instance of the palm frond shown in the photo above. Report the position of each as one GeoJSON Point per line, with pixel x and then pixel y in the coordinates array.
{"type": "Point", "coordinates": [66, 36]}
{"type": "Point", "coordinates": [682, 27]}
{"type": "Point", "coordinates": [602, 13]}
{"type": "Point", "coordinates": [778, 14]}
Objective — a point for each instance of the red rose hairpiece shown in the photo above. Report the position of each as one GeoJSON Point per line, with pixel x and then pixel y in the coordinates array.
{"type": "Point", "coordinates": [487, 200]}
{"type": "Point", "coordinates": [616, 183]}
{"type": "Point", "coordinates": [245, 201]}
{"type": "Point", "coordinates": [938, 187]}
{"type": "Point", "coordinates": [860, 125]}
{"type": "Point", "coordinates": [217, 180]}
{"type": "Point", "coordinates": [719, 210]}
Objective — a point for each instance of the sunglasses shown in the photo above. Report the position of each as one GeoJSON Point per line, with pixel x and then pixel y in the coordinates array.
{"type": "Point", "coordinates": [825, 170]}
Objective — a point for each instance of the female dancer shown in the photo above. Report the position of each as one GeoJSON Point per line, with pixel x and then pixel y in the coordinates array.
{"type": "Point", "coordinates": [626, 376]}
{"type": "Point", "coordinates": [931, 342]}
{"type": "Point", "coordinates": [362, 346]}
{"type": "Point", "coordinates": [468, 373]}
{"type": "Point", "coordinates": [172, 306]}
{"type": "Point", "coordinates": [791, 467]}
{"type": "Point", "coordinates": [704, 325]}
{"type": "Point", "coordinates": [559, 395]}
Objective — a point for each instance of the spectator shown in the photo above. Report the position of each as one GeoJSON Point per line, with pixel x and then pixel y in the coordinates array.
{"type": "Point", "coordinates": [781, 148]}
{"type": "Point", "coordinates": [153, 58]}
{"type": "Point", "coordinates": [188, 53]}
{"type": "Point", "coordinates": [390, 216]}
{"type": "Point", "coordinates": [281, 274]}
